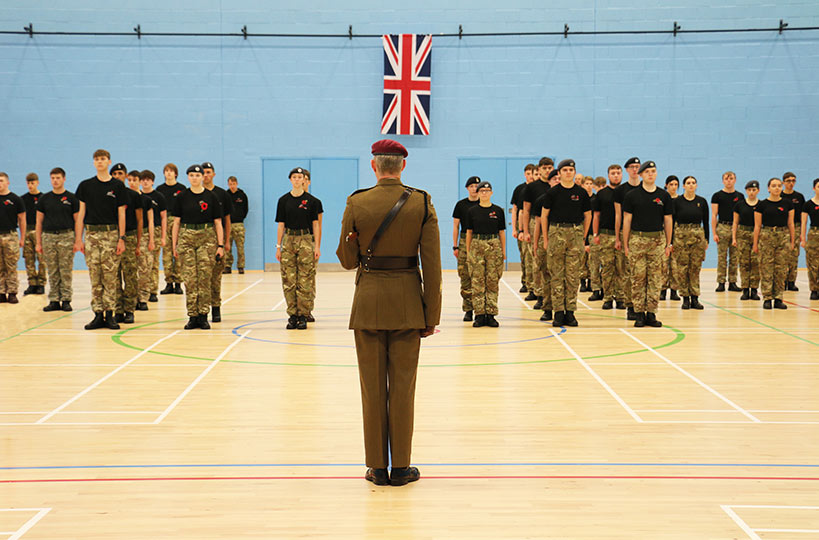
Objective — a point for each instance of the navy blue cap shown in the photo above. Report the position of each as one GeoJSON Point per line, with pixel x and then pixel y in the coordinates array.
{"type": "Point", "coordinates": [647, 165]}
{"type": "Point", "coordinates": [195, 168]}
{"type": "Point", "coordinates": [552, 174]}
{"type": "Point", "coordinates": [208, 165]}
{"type": "Point", "coordinates": [484, 184]}
{"type": "Point", "coordinates": [632, 161]}
{"type": "Point", "coordinates": [473, 180]}
{"type": "Point", "coordinates": [565, 163]}
{"type": "Point", "coordinates": [119, 167]}
{"type": "Point", "coordinates": [297, 170]}
{"type": "Point", "coordinates": [752, 184]}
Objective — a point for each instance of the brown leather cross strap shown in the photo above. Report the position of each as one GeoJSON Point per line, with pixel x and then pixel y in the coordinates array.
{"type": "Point", "coordinates": [371, 262]}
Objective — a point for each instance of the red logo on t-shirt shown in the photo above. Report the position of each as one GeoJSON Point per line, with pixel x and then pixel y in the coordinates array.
{"type": "Point", "coordinates": [303, 204]}
{"type": "Point", "coordinates": [780, 208]}
{"type": "Point", "coordinates": [736, 199]}
{"type": "Point", "coordinates": [575, 198]}
{"type": "Point", "coordinates": [658, 200]}
{"type": "Point", "coordinates": [111, 194]}
{"type": "Point", "coordinates": [65, 200]}
{"type": "Point", "coordinates": [203, 205]}
{"type": "Point", "coordinates": [816, 207]}
{"type": "Point", "coordinates": [7, 202]}
{"type": "Point", "coordinates": [493, 215]}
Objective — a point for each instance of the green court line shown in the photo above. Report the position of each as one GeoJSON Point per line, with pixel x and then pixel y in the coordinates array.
{"type": "Point", "coordinates": [43, 324]}
{"type": "Point", "coordinates": [118, 339]}
{"type": "Point", "coordinates": [763, 324]}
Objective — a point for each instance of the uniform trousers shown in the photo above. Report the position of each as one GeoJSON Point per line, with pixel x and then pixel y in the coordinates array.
{"type": "Point", "coordinates": [623, 268]}
{"type": "Point", "coordinates": [36, 277]}
{"type": "Point", "coordinates": [726, 254]}
{"type": "Point", "coordinates": [812, 256]}
{"type": "Point", "coordinates": [793, 254]}
{"type": "Point", "coordinates": [611, 279]}
{"type": "Point", "coordinates": [529, 258]}
{"type": "Point", "coordinates": [58, 252]}
{"type": "Point", "coordinates": [387, 368]}
{"type": "Point", "coordinates": [298, 266]}
{"type": "Point", "coordinates": [237, 236]}
{"type": "Point", "coordinates": [485, 271]}
{"type": "Point", "coordinates": [197, 255]}
{"type": "Point", "coordinates": [774, 246]}
{"type": "Point", "coordinates": [522, 262]}
{"type": "Point", "coordinates": [170, 264]}
{"type": "Point", "coordinates": [541, 258]}
{"type": "Point", "coordinates": [594, 267]}
{"type": "Point", "coordinates": [645, 260]}
{"type": "Point", "coordinates": [103, 268]}
{"type": "Point", "coordinates": [689, 252]}
{"type": "Point", "coordinates": [128, 280]}
{"type": "Point", "coordinates": [156, 255]}
{"type": "Point", "coordinates": [565, 259]}
{"type": "Point", "coordinates": [145, 268]}
{"type": "Point", "coordinates": [748, 260]}
{"type": "Point", "coordinates": [464, 275]}
{"type": "Point", "coordinates": [9, 255]}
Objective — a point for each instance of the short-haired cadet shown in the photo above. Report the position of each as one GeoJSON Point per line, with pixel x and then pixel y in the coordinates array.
{"type": "Point", "coordinates": [743, 241]}
{"type": "Point", "coordinates": [238, 199]}
{"type": "Point", "coordinates": [632, 167]}
{"type": "Point", "coordinates": [798, 201]}
{"type": "Point", "coordinates": [160, 206]}
{"type": "Point", "coordinates": [517, 229]}
{"type": "Point", "coordinates": [486, 248]}
{"type": "Point", "coordinates": [540, 255]}
{"type": "Point", "coordinates": [147, 242]}
{"type": "Point", "coordinates": [222, 196]}
{"type": "Point", "coordinates": [774, 235]}
{"type": "Point", "coordinates": [595, 279]}
{"type": "Point", "coordinates": [12, 217]}
{"type": "Point", "coordinates": [810, 239]}
{"type": "Point", "coordinates": [459, 233]}
{"type": "Point", "coordinates": [317, 237]}
{"type": "Point", "coordinates": [538, 187]}
{"type": "Point", "coordinates": [128, 281]}
{"type": "Point", "coordinates": [672, 184]}
{"type": "Point", "coordinates": [36, 277]}
{"type": "Point", "coordinates": [690, 242]}
{"type": "Point", "coordinates": [722, 220]}
{"type": "Point", "coordinates": [170, 189]}
{"type": "Point", "coordinates": [612, 260]}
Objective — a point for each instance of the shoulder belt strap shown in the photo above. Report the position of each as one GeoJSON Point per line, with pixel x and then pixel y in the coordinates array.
{"type": "Point", "coordinates": [387, 221]}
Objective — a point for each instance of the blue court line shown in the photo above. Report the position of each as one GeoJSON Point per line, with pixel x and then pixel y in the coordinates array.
{"type": "Point", "coordinates": [534, 464]}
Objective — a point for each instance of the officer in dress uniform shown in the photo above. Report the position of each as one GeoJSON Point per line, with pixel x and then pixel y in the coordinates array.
{"type": "Point", "coordinates": [393, 308]}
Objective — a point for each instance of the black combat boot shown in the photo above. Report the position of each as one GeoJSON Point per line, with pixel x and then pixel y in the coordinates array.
{"type": "Point", "coordinates": [686, 303]}
{"type": "Point", "coordinates": [301, 324]}
{"type": "Point", "coordinates": [168, 289]}
{"type": "Point", "coordinates": [631, 315]}
{"type": "Point", "coordinates": [110, 322]}
{"type": "Point", "coordinates": [569, 319]}
{"type": "Point", "coordinates": [468, 315]}
{"type": "Point", "coordinates": [480, 320]}
{"type": "Point", "coordinates": [491, 322]}
{"type": "Point", "coordinates": [142, 306]}
{"type": "Point", "coordinates": [814, 295]}
{"type": "Point", "coordinates": [733, 287]}
{"type": "Point", "coordinates": [531, 296]}
{"type": "Point", "coordinates": [128, 318]}
{"type": "Point", "coordinates": [97, 322]}
{"type": "Point", "coordinates": [779, 304]}
{"type": "Point", "coordinates": [639, 320]}
{"type": "Point", "coordinates": [559, 319]}
{"type": "Point", "coordinates": [674, 295]}
{"type": "Point", "coordinates": [607, 304]}
{"type": "Point", "coordinates": [766, 304]}
{"type": "Point", "coordinates": [52, 306]}
{"type": "Point", "coordinates": [620, 304]}
{"type": "Point", "coordinates": [203, 322]}
{"type": "Point", "coordinates": [720, 287]}
{"type": "Point", "coordinates": [216, 313]}
{"type": "Point", "coordinates": [746, 294]}
{"type": "Point", "coordinates": [177, 289]}
{"type": "Point", "coordinates": [547, 315]}
{"type": "Point", "coordinates": [193, 322]}
{"type": "Point", "coordinates": [538, 304]}
{"type": "Point", "coordinates": [523, 288]}
{"type": "Point", "coordinates": [754, 294]}
{"type": "Point", "coordinates": [651, 320]}
{"type": "Point", "coordinates": [292, 322]}
{"type": "Point", "coordinates": [695, 303]}
{"type": "Point", "coordinates": [66, 306]}
{"type": "Point", "coordinates": [596, 295]}
{"type": "Point", "coordinates": [662, 294]}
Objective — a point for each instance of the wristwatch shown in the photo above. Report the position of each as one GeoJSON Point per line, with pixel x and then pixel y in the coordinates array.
{"type": "Point", "coordinates": [454, 248]}
{"type": "Point", "coordinates": [220, 245]}
{"type": "Point", "coordinates": [122, 237]}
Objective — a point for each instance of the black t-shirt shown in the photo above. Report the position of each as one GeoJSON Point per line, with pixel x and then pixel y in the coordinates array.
{"type": "Point", "coordinates": [567, 205]}
{"type": "Point", "coordinates": [725, 204]}
{"type": "Point", "coordinates": [134, 199]}
{"type": "Point", "coordinates": [195, 208]}
{"type": "Point", "coordinates": [10, 207]}
{"type": "Point", "coordinates": [148, 204]}
{"type": "Point", "coordinates": [160, 204]}
{"type": "Point", "coordinates": [462, 207]}
{"type": "Point", "coordinates": [745, 212]}
{"type": "Point", "coordinates": [603, 202]}
{"type": "Point", "coordinates": [796, 198]}
{"type": "Point", "coordinates": [517, 195]}
{"type": "Point", "coordinates": [622, 190]}
{"type": "Point", "coordinates": [485, 220]}
{"type": "Point", "coordinates": [224, 200]}
{"type": "Point", "coordinates": [647, 209]}
{"type": "Point", "coordinates": [30, 201]}
{"type": "Point", "coordinates": [317, 201]}
{"type": "Point", "coordinates": [297, 212]}
{"type": "Point", "coordinates": [812, 210]}
{"type": "Point", "coordinates": [693, 212]}
{"type": "Point", "coordinates": [239, 202]}
{"type": "Point", "coordinates": [532, 191]}
{"type": "Point", "coordinates": [58, 210]}
{"type": "Point", "coordinates": [537, 210]}
{"type": "Point", "coordinates": [170, 193]}
{"type": "Point", "coordinates": [102, 199]}
{"type": "Point", "coordinates": [774, 214]}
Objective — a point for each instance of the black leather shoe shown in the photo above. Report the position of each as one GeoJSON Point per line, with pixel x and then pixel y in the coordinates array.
{"type": "Point", "coordinates": [662, 294]}
{"type": "Point", "coordinates": [40, 289]}
{"type": "Point", "coordinates": [538, 304]}
{"type": "Point", "coordinates": [177, 289]}
{"type": "Point", "coordinates": [11, 298]}
{"type": "Point", "coordinates": [193, 322]}
{"type": "Point", "coordinates": [66, 306]}
{"type": "Point", "coordinates": [216, 314]}
{"type": "Point", "coordinates": [203, 322]}
{"type": "Point", "coordinates": [168, 289]}
{"type": "Point", "coordinates": [52, 306]}
{"type": "Point", "coordinates": [3, 298]}
{"type": "Point", "coordinates": [227, 271]}
{"type": "Point", "coordinates": [128, 318]}
{"type": "Point", "coordinates": [110, 322]}
{"type": "Point", "coordinates": [651, 320]}
{"type": "Point", "coordinates": [754, 294]}
{"type": "Point", "coordinates": [686, 303]}
{"type": "Point", "coordinates": [31, 289]}
{"type": "Point", "coordinates": [766, 304]}
{"type": "Point", "coordinates": [241, 270]}
{"type": "Point", "coordinates": [814, 295]}
{"type": "Point", "coordinates": [695, 303]}
{"type": "Point", "coordinates": [491, 322]}
{"type": "Point", "coordinates": [559, 318]}
{"type": "Point", "coordinates": [292, 322]}
{"type": "Point", "coordinates": [792, 286]}
{"type": "Point", "coordinates": [97, 322]}
{"type": "Point", "coordinates": [310, 318]}
{"type": "Point", "coordinates": [379, 477]}
{"type": "Point", "coordinates": [141, 306]}
{"type": "Point", "coordinates": [720, 288]}
{"type": "Point", "coordinates": [639, 320]}
{"type": "Point", "coordinates": [301, 323]}
{"type": "Point", "coordinates": [523, 289]}
{"type": "Point", "coordinates": [480, 320]}
{"type": "Point", "coordinates": [620, 304]}
{"type": "Point", "coordinates": [674, 295]}
{"type": "Point", "coordinates": [630, 315]}
{"type": "Point", "coordinates": [547, 315]}
{"type": "Point", "coordinates": [468, 316]}
{"type": "Point", "coordinates": [583, 286]}
{"type": "Point", "coordinates": [596, 295]}
{"type": "Point", "coordinates": [403, 476]}
{"type": "Point", "coordinates": [569, 319]}
{"type": "Point", "coordinates": [119, 317]}
{"type": "Point", "coordinates": [153, 298]}
{"type": "Point", "coordinates": [746, 294]}
{"type": "Point", "coordinates": [779, 304]}
{"type": "Point", "coordinates": [607, 304]}
{"type": "Point", "coordinates": [733, 287]}
{"type": "Point", "coordinates": [531, 296]}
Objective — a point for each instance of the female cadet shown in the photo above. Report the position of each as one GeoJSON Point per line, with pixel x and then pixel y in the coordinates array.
{"type": "Point", "coordinates": [810, 239]}
{"type": "Point", "coordinates": [743, 240]}
{"type": "Point", "coordinates": [690, 242]}
{"type": "Point", "coordinates": [196, 212]}
{"type": "Point", "coordinates": [773, 236]}
{"type": "Point", "coordinates": [672, 184]}
{"type": "Point", "coordinates": [486, 249]}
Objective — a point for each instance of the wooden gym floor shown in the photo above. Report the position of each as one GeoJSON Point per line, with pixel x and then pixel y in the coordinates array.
{"type": "Point", "coordinates": [705, 428]}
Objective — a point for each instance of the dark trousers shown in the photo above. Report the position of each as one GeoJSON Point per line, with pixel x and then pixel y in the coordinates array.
{"type": "Point", "coordinates": [387, 367]}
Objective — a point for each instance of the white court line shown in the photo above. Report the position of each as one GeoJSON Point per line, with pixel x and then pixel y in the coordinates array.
{"type": "Point", "coordinates": [597, 377]}
{"type": "Point", "coordinates": [277, 305]}
{"type": "Point", "coordinates": [201, 376]}
{"type": "Point", "coordinates": [693, 378]}
{"type": "Point", "coordinates": [515, 294]}
{"type": "Point", "coordinates": [738, 520]}
{"type": "Point", "coordinates": [773, 506]}
{"type": "Point", "coordinates": [584, 304]}
{"type": "Point", "coordinates": [41, 512]}
{"type": "Point", "coordinates": [809, 531]}
{"type": "Point", "coordinates": [243, 290]}
{"type": "Point", "coordinates": [111, 374]}
{"type": "Point", "coordinates": [688, 410]}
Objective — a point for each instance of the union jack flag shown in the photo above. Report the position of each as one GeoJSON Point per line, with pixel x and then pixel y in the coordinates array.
{"type": "Point", "coordinates": [407, 66]}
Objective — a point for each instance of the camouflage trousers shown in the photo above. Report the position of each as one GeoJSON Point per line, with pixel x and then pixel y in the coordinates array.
{"type": "Point", "coordinates": [156, 255]}
{"type": "Point", "coordinates": [35, 276]}
{"type": "Point", "coordinates": [237, 236]}
{"type": "Point", "coordinates": [463, 273]}
{"type": "Point", "coordinates": [216, 276]}
{"type": "Point", "coordinates": [774, 245]}
{"type": "Point", "coordinates": [173, 272]}
{"type": "Point", "coordinates": [9, 254]}
{"type": "Point", "coordinates": [748, 260]}
{"type": "Point", "coordinates": [197, 254]}
{"type": "Point", "coordinates": [298, 267]}
{"type": "Point", "coordinates": [522, 262]}
{"type": "Point", "coordinates": [669, 272]}
{"type": "Point", "coordinates": [793, 254]}
{"type": "Point", "coordinates": [688, 254]}
{"type": "Point", "coordinates": [541, 259]}
{"type": "Point", "coordinates": [645, 259]}
{"type": "Point", "coordinates": [485, 271]}
{"type": "Point", "coordinates": [529, 257]}
{"type": "Point", "coordinates": [594, 267]}
{"type": "Point", "coordinates": [812, 256]}
{"type": "Point", "coordinates": [585, 273]}
{"type": "Point", "coordinates": [103, 268]}
{"type": "Point", "coordinates": [128, 280]}
{"type": "Point", "coordinates": [145, 268]}
{"type": "Point", "coordinates": [58, 252]}
{"type": "Point", "coordinates": [726, 255]}
{"type": "Point", "coordinates": [611, 276]}
{"type": "Point", "coordinates": [565, 258]}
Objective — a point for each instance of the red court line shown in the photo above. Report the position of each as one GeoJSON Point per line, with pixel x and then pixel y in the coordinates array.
{"type": "Point", "coordinates": [439, 477]}
{"type": "Point", "coordinates": [803, 307]}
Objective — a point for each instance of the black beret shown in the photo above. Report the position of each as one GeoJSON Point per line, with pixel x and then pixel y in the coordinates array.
{"type": "Point", "coordinates": [671, 178]}
{"type": "Point", "coordinates": [752, 184]}
{"type": "Point", "coordinates": [565, 163]}
{"type": "Point", "coordinates": [194, 168]}
{"type": "Point", "coordinates": [647, 165]}
{"type": "Point", "coordinates": [388, 147]}
{"type": "Point", "coordinates": [119, 167]}
{"type": "Point", "coordinates": [484, 184]}
{"type": "Point", "coordinates": [297, 170]}
{"type": "Point", "coordinates": [632, 161]}
{"type": "Point", "coordinates": [552, 174]}
{"type": "Point", "coordinates": [208, 165]}
{"type": "Point", "coordinates": [473, 180]}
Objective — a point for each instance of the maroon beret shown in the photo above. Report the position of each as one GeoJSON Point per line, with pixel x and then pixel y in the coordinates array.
{"type": "Point", "coordinates": [387, 147]}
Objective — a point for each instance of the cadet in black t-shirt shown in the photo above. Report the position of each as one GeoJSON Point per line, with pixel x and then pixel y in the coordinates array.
{"type": "Point", "coordinates": [612, 260]}
{"type": "Point", "coordinates": [36, 277]}
{"type": "Point", "coordinates": [542, 284]}
{"type": "Point", "coordinates": [517, 227]}
{"type": "Point", "coordinates": [170, 190]}
{"type": "Point", "coordinates": [459, 220]}
{"type": "Point", "coordinates": [672, 185]}
{"type": "Point", "coordinates": [317, 233]}
{"type": "Point", "coordinates": [565, 221]}
{"type": "Point", "coordinates": [128, 283]}
{"type": "Point", "coordinates": [147, 247]}
{"type": "Point", "coordinates": [798, 201]}
{"type": "Point", "coordinates": [647, 229]}
{"type": "Point", "coordinates": [197, 214]}
{"type": "Point", "coordinates": [486, 247]}
{"type": "Point", "coordinates": [690, 213]}
{"type": "Point", "coordinates": [238, 199]}
{"type": "Point", "coordinates": [160, 208]}
{"type": "Point", "coordinates": [12, 215]}
{"type": "Point", "coordinates": [810, 239]}
{"type": "Point", "coordinates": [296, 249]}
{"type": "Point", "coordinates": [722, 219]}
{"type": "Point", "coordinates": [632, 166]}
{"type": "Point", "coordinates": [743, 240]}
{"type": "Point", "coordinates": [773, 237]}
{"type": "Point", "coordinates": [219, 266]}
{"type": "Point", "coordinates": [57, 216]}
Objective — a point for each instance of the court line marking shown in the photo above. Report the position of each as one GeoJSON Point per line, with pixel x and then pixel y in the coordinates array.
{"type": "Point", "coordinates": [41, 512]}
{"type": "Point", "coordinates": [201, 376]}
{"type": "Point", "coordinates": [801, 306]}
{"type": "Point", "coordinates": [751, 531]}
{"type": "Point", "coordinates": [105, 378]}
{"type": "Point", "coordinates": [693, 378]}
{"type": "Point", "coordinates": [763, 324]}
{"type": "Point", "coordinates": [739, 521]}
{"type": "Point", "coordinates": [597, 377]}
{"type": "Point", "coordinates": [44, 323]}
{"type": "Point", "coordinates": [243, 290]}
{"type": "Point", "coordinates": [515, 294]}
{"type": "Point", "coordinates": [274, 308]}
